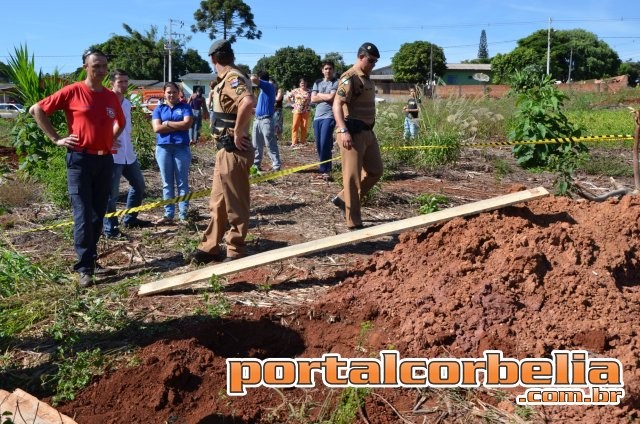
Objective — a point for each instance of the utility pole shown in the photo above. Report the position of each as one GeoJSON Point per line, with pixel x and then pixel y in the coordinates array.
{"type": "Point", "coordinates": [570, 66]}
{"type": "Point", "coordinates": [431, 70]}
{"type": "Point", "coordinates": [169, 45]}
{"type": "Point", "coordinates": [549, 47]}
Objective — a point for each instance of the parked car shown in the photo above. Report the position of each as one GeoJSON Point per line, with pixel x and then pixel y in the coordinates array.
{"type": "Point", "coordinates": [10, 110]}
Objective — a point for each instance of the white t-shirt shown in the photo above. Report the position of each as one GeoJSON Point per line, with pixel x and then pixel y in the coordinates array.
{"type": "Point", "coordinates": [125, 155]}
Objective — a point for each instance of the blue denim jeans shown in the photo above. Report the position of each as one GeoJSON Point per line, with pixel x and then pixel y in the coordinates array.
{"type": "Point", "coordinates": [134, 176]}
{"type": "Point", "coordinates": [88, 184]}
{"type": "Point", "coordinates": [323, 129]}
{"type": "Point", "coordinates": [264, 133]}
{"type": "Point", "coordinates": [410, 128]}
{"type": "Point", "coordinates": [194, 131]}
{"type": "Point", "coordinates": [174, 161]}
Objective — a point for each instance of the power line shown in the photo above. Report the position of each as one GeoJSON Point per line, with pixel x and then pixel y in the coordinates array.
{"type": "Point", "coordinates": [397, 28]}
{"type": "Point", "coordinates": [443, 26]}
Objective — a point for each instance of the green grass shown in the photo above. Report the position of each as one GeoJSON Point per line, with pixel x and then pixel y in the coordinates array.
{"type": "Point", "coordinates": [607, 165]}
{"type": "Point", "coordinates": [428, 203]}
{"type": "Point", "coordinates": [603, 121]}
{"type": "Point", "coordinates": [501, 168]}
{"type": "Point", "coordinates": [5, 131]}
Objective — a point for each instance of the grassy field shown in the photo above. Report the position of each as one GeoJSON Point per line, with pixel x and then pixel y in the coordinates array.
{"type": "Point", "coordinates": [38, 299]}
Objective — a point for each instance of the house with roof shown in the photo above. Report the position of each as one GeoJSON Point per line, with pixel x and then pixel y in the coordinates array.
{"type": "Point", "coordinates": [192, 81]}
{"type": "Point", "coordinates": [456, 74]}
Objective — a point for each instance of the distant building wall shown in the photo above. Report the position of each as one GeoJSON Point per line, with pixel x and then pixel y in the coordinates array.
{"type": "Point", "coordinates": [611, 85]}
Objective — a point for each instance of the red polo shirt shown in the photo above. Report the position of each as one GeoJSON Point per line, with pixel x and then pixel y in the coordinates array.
{"type": "Point", "coordinates": [90, 114]}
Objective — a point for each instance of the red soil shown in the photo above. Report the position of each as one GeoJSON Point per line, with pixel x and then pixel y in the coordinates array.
{"type": "Point", "coordinates": [551, 274]}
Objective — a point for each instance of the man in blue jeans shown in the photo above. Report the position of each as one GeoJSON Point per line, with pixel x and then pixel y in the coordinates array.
{"type": "Point", "coordinates": [323, 92]}
{"type": "Point", "coordinates": [263, 128]}
{"type": "Point", "coordinates": [125, 163]}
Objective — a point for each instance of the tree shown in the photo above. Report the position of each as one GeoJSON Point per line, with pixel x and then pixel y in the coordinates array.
{"type": "Point", "coordinates": [229, 18]}
{"type": "Point", "coordinates": [142, 56]}
{"type": "Point", "coordinates": [189, 61]}
{"type": "Point", "coordinates": [483, 52]}
{"type": "Point", "coordinates": [632, 69]}
{"type": "Point", "coordinates": [592, 58]}
{"type": "Point", "coordinates": [412, 62]}
{"type": "Point", "coordinates": [503, 66]}
{"type": "Point", "coordinates": [4, 76]}
{"type": "Point", "coordinates": [290, 64]}
{"type": "Point", "coordinates": [245, 69]}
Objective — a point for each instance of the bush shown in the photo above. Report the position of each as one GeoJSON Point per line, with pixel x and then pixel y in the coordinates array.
{"type": "Point", "coordinates": [142, 137]}
{"type": "Point", "coordinates": [539, 116]}
{"type": "Point", "coordinates": [31, 144]}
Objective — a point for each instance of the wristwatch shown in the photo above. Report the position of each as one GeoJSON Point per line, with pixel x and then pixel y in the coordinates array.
{"type": "Point", "coordinates": [342, 130]}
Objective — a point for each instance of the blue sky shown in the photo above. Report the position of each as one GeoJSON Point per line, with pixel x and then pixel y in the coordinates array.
{"type": "Point", "coordinates": [58, 32]}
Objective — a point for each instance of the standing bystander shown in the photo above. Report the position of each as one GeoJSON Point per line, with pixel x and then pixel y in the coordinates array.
{"type": "Point", "coordinates": [263, 129]}
{"type": "Point", "coordinates": [212, 84]}
{"type": "Point", "coordinates": [229, 203]}
{"type": "Point", "coordinates": [323, 93]}
{"type": "Point", "coordinates": [354, 109]}
{"type": "Point", "coordinates": [278, 115]}
{"type": "Point", "coordinates": [95, 119]}
{"type": "Point", "coordinates": [125, 163]}
{"type": "Point", "coordinates": [301, 99]}
{"type": "Point", "coordinates": [198, 108]}
{"type": "Point", "coordinates": [171, 121]}
{"type": "Point", "coordinates": [411, 115]}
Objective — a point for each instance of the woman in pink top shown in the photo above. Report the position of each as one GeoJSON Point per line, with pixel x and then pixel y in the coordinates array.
{"type": "Point", "coordinates": [301, 99]}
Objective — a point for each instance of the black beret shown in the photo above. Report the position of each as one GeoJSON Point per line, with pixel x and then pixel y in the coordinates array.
{"type": "Point", "coordinates": [371, 49]}
{"type": "Point", "coordinates": [219, 45]}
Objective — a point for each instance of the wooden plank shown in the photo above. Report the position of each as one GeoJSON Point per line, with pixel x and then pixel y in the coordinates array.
{"type": "Point", "coordinates": [326, 243]}
{"type": "Point", "coordinates": [23, 408]}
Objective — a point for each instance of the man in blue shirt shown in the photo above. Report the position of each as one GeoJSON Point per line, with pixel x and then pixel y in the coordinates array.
{"type": "Point", "coordinates": [263, 129]}
{"type": "Point", "coordinates": [322, 93]}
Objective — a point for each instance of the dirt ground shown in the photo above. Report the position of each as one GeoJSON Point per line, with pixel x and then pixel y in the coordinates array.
{"type": "Point", "coordinates": [529, 279]}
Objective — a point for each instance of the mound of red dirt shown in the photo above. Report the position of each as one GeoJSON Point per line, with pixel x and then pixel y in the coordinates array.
{"type": "Point", "coordinates": [551, 274]}
{"type": "Point", "coordinates": [554, 274]}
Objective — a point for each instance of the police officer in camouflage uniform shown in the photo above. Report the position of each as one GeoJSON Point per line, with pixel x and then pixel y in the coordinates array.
{"type": "Point", "coordinates": [233, 104]}
{"type": "Point", "coordinates": [354, 109]}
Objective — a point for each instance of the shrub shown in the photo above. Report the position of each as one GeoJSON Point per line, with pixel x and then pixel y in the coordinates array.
{"type": "Point", "coordinates": [142, 137]}
{"type": "Point", "coordinates": [32, 145]}
{"type": "Point", "coordinates": [428, 203]}
{"type": "Point", "coordinates": [539, 116]}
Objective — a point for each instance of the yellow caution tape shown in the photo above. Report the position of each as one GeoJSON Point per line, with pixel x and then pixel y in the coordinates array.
{"type": "Point", "coordinates": [253, 179]}
{"type": "Point", "coordinates": [268, 176]}
{"type": "Point", "coordinates": [592, 138]}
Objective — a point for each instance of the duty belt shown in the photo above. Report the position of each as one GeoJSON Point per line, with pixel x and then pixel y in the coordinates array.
{"type": "Point", "coordinates": [356, 126]}
{"type": "Point", "coordinates": [223, 120]}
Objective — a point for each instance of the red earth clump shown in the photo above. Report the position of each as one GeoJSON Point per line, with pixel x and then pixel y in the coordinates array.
{"type": "Point", "coordinates": [547, 275]}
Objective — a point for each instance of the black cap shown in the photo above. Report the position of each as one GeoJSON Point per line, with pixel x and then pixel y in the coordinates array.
{"type": "Point", "coordinates": [219, 45]}
{"type": "Point", "coordinates": [371, 50]}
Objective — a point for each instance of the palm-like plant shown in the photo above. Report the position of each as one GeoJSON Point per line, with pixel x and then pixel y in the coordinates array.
{"type": "Point", "coordinates": [32, 145]}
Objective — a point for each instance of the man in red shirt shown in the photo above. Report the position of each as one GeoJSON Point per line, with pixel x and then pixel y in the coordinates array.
{"type": "Point", "coordinates": [95, 119]}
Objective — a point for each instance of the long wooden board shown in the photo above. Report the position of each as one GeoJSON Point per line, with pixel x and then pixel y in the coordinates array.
{"type": "Point", "coordinates": [20, 407]}
{"type": "Point", "coordinates": [326, 243]}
